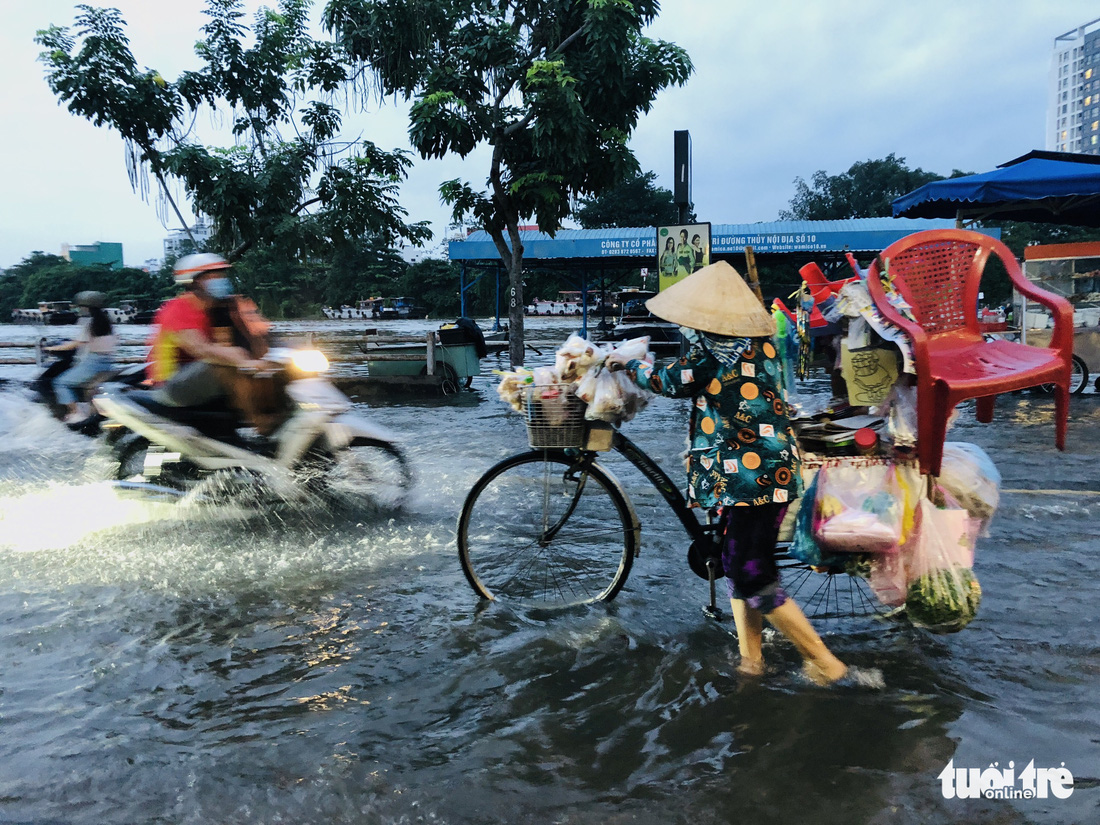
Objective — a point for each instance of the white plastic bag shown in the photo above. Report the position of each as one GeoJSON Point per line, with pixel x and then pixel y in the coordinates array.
{"type": "Point", "coordinates": [513, 386]}
{"type": "Point", "coordinates": [971, 477]}
{"type": "Point", "coordinates": [608, 401]}
{"type": "Point", "coordinates": [576, 356]}
{"type": "Point", "coordinates": [900, 411]}
{"type": "Point", "coordinates": [635, 348]}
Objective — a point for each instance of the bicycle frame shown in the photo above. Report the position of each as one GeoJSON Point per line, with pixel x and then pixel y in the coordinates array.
{"type": "Point", "coordinates": [664, 485]}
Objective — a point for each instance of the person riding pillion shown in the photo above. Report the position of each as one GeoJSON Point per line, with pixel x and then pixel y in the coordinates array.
{"type": "Point", "coordinates": [95, 344]}
{"type": "Point", "coordinates": [743, 458]}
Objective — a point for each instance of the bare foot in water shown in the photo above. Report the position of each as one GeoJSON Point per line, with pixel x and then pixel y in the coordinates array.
{"type": "Point", "coordinates": [751, 667]}
{"type": "Point", "coordinates": [820, 676]}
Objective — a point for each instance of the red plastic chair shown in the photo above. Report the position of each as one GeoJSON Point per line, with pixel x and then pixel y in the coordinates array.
{"type": "Point", "coordinates": [939, 273]}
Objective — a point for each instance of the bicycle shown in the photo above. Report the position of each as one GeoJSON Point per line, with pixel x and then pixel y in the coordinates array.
{"type": "Point", "coordinates": [553, 528]}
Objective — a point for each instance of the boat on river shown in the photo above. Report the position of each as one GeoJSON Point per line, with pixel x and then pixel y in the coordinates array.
{"type": "Point", "coordinates": [375, 309]}
{"type": "Point", "coordinates": [635, 321]}
{"type": "Point", "coordinates": [50, 313]}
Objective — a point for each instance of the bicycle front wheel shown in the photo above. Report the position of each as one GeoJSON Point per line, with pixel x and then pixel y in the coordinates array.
{"type": "Point", "coordinates": [539, 530]}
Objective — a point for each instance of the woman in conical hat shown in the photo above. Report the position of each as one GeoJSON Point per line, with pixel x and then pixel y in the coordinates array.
{"type": "Point", "coordinates": [743, 458]}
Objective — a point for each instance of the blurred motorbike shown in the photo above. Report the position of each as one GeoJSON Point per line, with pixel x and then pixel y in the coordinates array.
{"type": "Point", "coordinates": [321, 448]}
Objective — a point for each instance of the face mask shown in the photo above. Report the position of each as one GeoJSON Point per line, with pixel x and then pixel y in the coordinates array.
{"type": "Point", "coordinates": [218, 288]}
{"type": "Point", "coordinates": [84, 312]}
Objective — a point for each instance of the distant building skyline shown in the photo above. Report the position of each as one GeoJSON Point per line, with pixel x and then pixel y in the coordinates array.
{"type": "Point", "coordinates": [99, 252]}
{"type": "Point", "coordinates": [1073, 106]}
{"type": "Point", "coordinates": [179, 243]}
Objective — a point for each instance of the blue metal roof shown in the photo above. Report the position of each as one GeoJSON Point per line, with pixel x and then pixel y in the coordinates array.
{"type": "Point", "coordinates": [856, 235]}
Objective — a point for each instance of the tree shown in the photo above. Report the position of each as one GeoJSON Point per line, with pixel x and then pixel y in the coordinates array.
{"type": "Point", "coordinates": [434, 282]}
{"type": "Point", "coordinates": [866, 190]}
{"type": "Point", "coordinates": [637, 201]}
{"type": "Point", "coordinates": [303, 193]}
{"type": "Point", "coordinates": [554, 87]}
{"type": "Point", "coordinates": [42, 277]}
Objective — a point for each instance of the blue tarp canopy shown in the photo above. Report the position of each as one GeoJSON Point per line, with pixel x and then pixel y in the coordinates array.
{"type": "Point", "coordinates": [1049, 187]}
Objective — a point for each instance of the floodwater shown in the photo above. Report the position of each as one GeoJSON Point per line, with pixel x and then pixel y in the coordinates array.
{"type": "Point", "coordinates": [303, 666]}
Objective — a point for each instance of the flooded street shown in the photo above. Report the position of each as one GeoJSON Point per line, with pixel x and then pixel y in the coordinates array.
{"type": "Point", "coordinates": [299, 665]}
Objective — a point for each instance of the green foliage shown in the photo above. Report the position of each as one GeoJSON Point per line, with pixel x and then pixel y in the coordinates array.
{"type": "Point", "coordinates": [303, 195]}
{"type": "Point", "coordinates": [41, 277]}
{"type": "Point", "coordinates": [866, 190]}
{"type": "Point", "coordinates": [434, 283]}
{"type": "Point", "coordinates": [555, 88]}
{"type": "Point", "coordinates": [1017, 235]}
{"type": "Point", "coordinates": [637, 201]}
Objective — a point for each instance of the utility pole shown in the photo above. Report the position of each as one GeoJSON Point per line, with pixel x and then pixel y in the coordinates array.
{"type": "Point", "coordinates": [681, 192]}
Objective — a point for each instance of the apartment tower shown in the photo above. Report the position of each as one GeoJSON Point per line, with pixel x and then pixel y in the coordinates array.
{"type": "Point", "coordinates": [1073, 111]}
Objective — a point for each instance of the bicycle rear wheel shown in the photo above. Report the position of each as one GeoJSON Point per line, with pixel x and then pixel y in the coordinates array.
{"type": "Point", "coordinates": [537, 530]}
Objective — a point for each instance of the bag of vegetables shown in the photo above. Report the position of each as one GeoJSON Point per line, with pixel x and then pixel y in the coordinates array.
{"type": "Point", "coordinates": [942, 593]}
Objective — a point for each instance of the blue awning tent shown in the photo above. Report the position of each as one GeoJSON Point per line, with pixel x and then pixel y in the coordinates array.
{"type": "Point", "coordinates": [1048, 187]}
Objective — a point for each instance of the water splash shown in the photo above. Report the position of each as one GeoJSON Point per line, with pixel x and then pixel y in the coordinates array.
{"type": "Point", "coordinates": [63, 515]}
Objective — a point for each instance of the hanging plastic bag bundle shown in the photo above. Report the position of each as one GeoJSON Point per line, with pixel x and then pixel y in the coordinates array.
{"type": "Point", "coordinates": [610, 396]}
{"type": "Point", "coordinates": [576, 357]}
{"type": "Point", "coordinates": [513, 387]}
{"type": "Point", "coordinates": [616, 398]}
{"type": "Point", "coordinates": [943, 593]}
{"type": "Point", "coordinates": [971, 477]}
{"type": "Point", "coordinates": [859, 508]}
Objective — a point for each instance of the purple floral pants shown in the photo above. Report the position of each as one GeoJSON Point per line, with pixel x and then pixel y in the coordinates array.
{"type": "Point", "coordinates": [748, 554]}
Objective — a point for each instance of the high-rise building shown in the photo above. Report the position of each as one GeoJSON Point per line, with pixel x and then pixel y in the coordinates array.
{"type": "Point", "coordinates": [1073, 110]}
{"type": "Point", "coordinates": [93, 253]}
{"type": "Point", "coordinates": [179, 242]}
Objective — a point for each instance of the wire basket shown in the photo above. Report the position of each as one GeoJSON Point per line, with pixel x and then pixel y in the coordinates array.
{"type": "Point", "coordinates": [555, 416]}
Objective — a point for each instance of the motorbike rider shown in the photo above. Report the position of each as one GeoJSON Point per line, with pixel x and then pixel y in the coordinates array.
{"type": "Point", "coordinates": [205, 327]}
{"type": "Point", "coordinates": [95, 345]}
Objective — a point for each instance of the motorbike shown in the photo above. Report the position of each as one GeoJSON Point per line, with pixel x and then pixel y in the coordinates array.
{"type": "Point", "coordinates": [321, 447]}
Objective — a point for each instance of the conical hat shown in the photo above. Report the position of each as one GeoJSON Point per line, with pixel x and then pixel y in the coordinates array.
{"type": "Point", "coordinates": [714, 299]}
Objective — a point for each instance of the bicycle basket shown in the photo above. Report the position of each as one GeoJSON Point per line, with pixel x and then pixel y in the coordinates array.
{"type": "Point", "coordinates": [555, 416]}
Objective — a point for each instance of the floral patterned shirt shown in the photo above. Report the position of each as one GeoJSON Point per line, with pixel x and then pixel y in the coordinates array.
{"type": "Point", "coordinates": [742, 449]}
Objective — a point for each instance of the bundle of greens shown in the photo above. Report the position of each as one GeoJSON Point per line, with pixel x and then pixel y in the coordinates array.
{"type": "Point", "coordinates": [945, 600]}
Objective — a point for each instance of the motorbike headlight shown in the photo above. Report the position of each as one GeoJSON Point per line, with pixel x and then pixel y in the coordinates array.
{"type": "Point", "coordinates": [309, 360]}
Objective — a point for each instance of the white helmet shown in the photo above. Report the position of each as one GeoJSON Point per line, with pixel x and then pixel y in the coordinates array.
{"type": "Point", "coordinates": [189, 267]}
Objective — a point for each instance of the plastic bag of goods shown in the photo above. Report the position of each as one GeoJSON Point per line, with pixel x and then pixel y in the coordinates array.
{"type": "Point", "coordinates": [614, 397]}
{"type": "Point", "coordinates": [576, 357]}
{"type": "Point", "coordinates": [804, 546]}
{"type": "Point", "coordinates": [971, 477]}
{"type": "Point", "coordinates": [900, 411]}
{"type": "Point", "coordinates": [859, 508]}
{"type": "Point", "coordinates": [942, 593]}
{"type": "Point", "coordinates": [513, 387]}
{"type": "Point", "coordinates": [552, 404]}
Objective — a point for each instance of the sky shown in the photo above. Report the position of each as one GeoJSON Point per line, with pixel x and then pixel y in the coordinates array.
{"type": "Point", "coordinates": [780, 90]}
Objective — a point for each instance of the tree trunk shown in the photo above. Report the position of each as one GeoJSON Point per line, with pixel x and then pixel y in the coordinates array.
{"type": "Point", "coordinates": [516, 308]}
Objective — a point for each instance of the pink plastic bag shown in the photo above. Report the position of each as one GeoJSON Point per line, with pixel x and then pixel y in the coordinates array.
{"type": "Point", "coordinates": [942, 592]}
{"type": "Point", "coordinates": [859, 508]}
